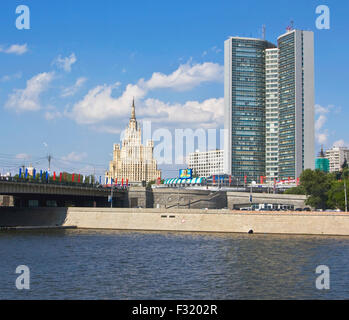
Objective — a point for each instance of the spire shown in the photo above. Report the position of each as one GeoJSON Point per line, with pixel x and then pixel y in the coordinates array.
{"type": "Point", "coordinates": [133, 111]}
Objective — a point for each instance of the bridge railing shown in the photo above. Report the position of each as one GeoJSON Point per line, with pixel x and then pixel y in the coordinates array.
{"type": "Point", "coordinates": [84, 185]}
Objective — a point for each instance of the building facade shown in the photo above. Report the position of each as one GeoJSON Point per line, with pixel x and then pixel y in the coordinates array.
{"type": "Point", "coordinates": [271, 114]}
{"type": "Point", "coordinates": [133, 162]}
{"type": "Point", "coordinates": [269, 106]}
{"type": "Point", "coordinates": [244, 98]}
{"type": "Point", "coordinates": [336, 156]}
{"type": "Point", "coordinates": [296, 103]}
{"type": "Point", "coordinates": [205, 164]}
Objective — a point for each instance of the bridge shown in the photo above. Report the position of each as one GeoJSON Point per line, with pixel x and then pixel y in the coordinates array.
{"type": "Point", "coordinates": [60, 194]}
{"type": "Point", "coordinates": [66, 194]}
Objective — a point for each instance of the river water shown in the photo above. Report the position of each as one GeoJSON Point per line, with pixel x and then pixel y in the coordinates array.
{"type": "Point", "coordinates": [99, 264]}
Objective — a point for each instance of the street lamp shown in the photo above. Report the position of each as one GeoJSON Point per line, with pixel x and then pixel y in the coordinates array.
{"type": "Point", "coordinates": [345, 196]}
{"type": "Point", "coordinates": [345, 174]}
{"type": "Point", "coordinates": [253, 183]}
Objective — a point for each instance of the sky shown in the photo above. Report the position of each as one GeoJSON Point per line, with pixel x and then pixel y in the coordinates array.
{"type": "Point", "coordinates": [67, 82]}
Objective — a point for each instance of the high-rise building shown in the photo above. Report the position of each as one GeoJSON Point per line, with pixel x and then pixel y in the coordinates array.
{"type": "Point", "coordinates": [296, 103]}
{"type": "Point", "coordinates": [244, 98]}
{"type": "Point", "coordinates": [269, 106]}
{"type": "Point", "coordinates": [133, 161]}
{"type": "Point", "coordinates": [337, 155]}
{"type": "Point", "coordinates": [271, 114]}
{"type": "Point", "coordinates": [206, 163]}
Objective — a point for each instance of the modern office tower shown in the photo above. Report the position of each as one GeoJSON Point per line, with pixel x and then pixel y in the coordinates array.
{"type": "Point", "coordinates": [271, 114]}
{"type": "Point", "coordinates": [296, 103]}
{"type": "Point", "coordinates": [206, 163]}
{"type": "Point", "coordinates": [337, 155]}
{"type": "Point", "coordinates": [244, 98]}
{"type": "Point", "coordinates": [269, 106]}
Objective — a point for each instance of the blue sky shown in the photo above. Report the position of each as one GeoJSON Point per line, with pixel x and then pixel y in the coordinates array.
{"type": "Point", "coordinates": [66, 84]}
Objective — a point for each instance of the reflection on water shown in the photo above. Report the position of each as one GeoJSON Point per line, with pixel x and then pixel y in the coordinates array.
{"type": "Point", "coordinates": [95, 264]}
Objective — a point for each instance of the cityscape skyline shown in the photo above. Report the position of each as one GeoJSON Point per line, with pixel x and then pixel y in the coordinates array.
{"type": "Point", "coordinates": [60, 84]}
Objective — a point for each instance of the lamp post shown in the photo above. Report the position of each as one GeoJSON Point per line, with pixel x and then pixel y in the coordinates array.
{"type": "Point", "coordinates": [345, 196]}
{"type": "Point", "coordinates": [111, 193]}
{"type": "Point", "coordinates": [253, 183]}
{"type": "Point", "coordinates": [111, 197]}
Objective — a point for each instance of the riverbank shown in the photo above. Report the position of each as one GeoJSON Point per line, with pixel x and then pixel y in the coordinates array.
{"type": "Point", "coordinates": [190, 220]}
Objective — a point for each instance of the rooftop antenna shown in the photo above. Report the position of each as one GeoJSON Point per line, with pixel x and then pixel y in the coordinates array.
{"type": "Point", "coordinates": [263, 31]}
{"type": "Point", "coordinates": [290, 26]}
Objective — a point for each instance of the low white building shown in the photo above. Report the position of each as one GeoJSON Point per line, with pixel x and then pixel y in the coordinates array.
{"type": "Point", "coordinates": [337, 155]}
{"type": "Point", "coordinates": [207, 163]}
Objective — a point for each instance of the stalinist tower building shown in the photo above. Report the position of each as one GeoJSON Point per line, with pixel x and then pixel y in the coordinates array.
{"type": "Point", "coordinates": [133, 161]}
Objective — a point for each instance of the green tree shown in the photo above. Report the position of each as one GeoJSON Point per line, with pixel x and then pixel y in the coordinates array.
{"type": "Point", "coordinates": [316, 184]}
{"type": "Point", "coordinates": [296, 190]}
{"type": "Point", "coordinates": [336, 198]}
{"type": "Point", "coordinates": [150, 183]}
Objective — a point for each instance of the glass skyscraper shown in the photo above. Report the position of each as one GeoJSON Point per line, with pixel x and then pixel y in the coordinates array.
{"type": "Point", "coordinates": [296, 103]}
{"type": "Point", "coordinates": [244, 95]}
{"type": "Point", "coordinates": [269, 106]}
{"type": "Point", "coordinates": [271, 114]}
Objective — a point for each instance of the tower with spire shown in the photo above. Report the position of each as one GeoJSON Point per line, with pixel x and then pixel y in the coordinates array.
{"type": "Point", "coordinates": [133, 162]}
{"type": "Point", "coordinates": [133, 121]}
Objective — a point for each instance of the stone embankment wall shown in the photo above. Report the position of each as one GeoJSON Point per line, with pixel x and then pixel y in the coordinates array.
{"type": "Point", "coordinates": [193, 220]}
{"type": "Point", "coordinates": [313, 223]}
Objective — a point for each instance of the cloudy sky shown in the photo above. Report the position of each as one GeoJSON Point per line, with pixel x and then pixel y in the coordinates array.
{"type": "Point", "coordinates": [67, 83]}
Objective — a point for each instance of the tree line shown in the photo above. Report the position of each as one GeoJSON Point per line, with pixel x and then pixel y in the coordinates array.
{"type": "Point", "coordinates": [324, 190]}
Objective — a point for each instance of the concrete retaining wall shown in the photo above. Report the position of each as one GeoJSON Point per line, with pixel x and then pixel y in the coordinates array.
{"type": "Point", "coordinates": [188, 199]}
{"type": "Point", "coordinates": [194, 220]}
{"type": "Point", "coordinates": [240, 198]}
{"type": "Point", "coordinates": [211, 221]}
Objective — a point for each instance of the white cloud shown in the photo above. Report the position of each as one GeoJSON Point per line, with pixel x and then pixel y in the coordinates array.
{"type": "Point", "coordinates": [23, 156]}
{"type": "Point", "coordinates": [321, 110]}
{"type": "Point", "coordinates": [216, 50]}
{"type": "Point", "coordinates": [70, 91]}
{"type": "Point", "coordinates": [51, 115]}
{"type": "Point", "coordinates": [187, 76]}
{"type": "Point", "coordinates": [10, 77]}
{"type": "Point", "coordinates": [320, 121]}
{"type": "Point", "coordinates": [99, 105]}
{"type": "Point", "coordinates": [65, 63]}
{"type": "Point", "coordinates": [28, 99]}
{"type": "Point", "coordinates": [322, 134]}
{"type": "Point", "coordinates": [209, 112]}
{"type": "Point", "coordinates": [322, 137]}
{"type": "Point", "coordinates": [17, 49]}
{"type": "Point", "coordinates": [340, 143]}
{"type": "Point", "coordinates": [107, 129]}
{"type": "Point", "coordinates": [74, 156]}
